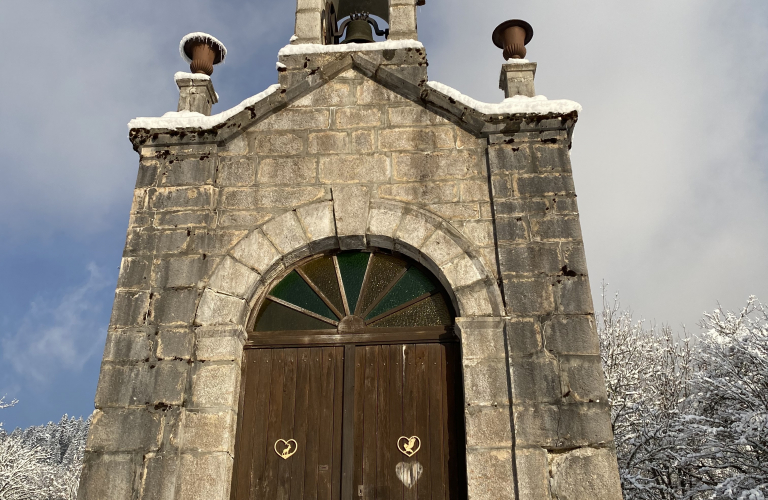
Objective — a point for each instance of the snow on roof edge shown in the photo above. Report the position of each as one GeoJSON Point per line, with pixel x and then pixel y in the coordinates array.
{"type": "Point", "coordinates": [174, 120]}
{"type": "Point", "coordinates": [538, 105]}
{"type": "Point", "coordinates": [315, 48]}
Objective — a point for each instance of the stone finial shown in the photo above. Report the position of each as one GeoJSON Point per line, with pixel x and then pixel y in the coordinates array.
{"type": "Point", "coordinates": [513, 36]}
{"type": "Point", "coordinates": [196, 93]}
{"type": "Point", "coordinates": [202, 51]}
{"type": "Point", "coordinates": [517, 78]}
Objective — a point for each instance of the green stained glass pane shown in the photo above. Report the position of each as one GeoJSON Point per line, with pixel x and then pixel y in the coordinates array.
{"type": "Point", "coordinates": [432, 311]}
{"type": "Point", "coordinates": [413, 284]}
{"type": "Point", "coordinates": [352, 266]}
{"type": "Point", "coordinates": [384, 269]}
{"type": "Point", "coordinates": [277, 317]}
{"type": "Point", "coordinates": [294, 290]}
{"type": "Point", "coordinates": [322, 272]}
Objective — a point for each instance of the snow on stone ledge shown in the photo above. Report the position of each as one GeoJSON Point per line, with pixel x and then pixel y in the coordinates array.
{"type": "Point", "coordinates": [315, 48]}
{"type": "Point", "coordinates": [181, 75]}
{"type": "Point", "coordinates": [189, 119]}
{"type": "Point", "coordinates": [518, 104]}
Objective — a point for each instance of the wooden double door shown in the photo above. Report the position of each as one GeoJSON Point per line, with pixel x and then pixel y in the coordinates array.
{"type": "Point", "coordinates": [351, 422]}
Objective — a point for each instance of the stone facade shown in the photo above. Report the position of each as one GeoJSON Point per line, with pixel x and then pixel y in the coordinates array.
{"type": "Point", "coordinates": [354, 151]}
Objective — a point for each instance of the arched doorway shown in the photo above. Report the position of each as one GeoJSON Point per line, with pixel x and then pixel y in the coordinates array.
{"type": "Point", "coordinates": [352, 386]}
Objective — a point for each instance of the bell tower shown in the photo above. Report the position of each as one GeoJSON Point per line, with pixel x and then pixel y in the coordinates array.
{"type": "Point", "coordinates": [355, 284]}
{"type": "Point", "coordinates": [322, 21]}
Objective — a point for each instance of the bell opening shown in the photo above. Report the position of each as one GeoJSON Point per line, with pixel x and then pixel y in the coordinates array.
{"type": "Point", "coordinates": [361, 30]}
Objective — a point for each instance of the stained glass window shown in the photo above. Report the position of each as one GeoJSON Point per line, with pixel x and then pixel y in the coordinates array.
{"type": "Point", "coordinates": [380, 290]}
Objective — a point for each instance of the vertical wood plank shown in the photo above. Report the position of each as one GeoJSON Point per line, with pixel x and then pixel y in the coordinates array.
{"type": "Point", "coordinates": [338, 411]}
{"type": "Point", "coordinates": [302, 410]}
{"type": "Point", "coordinates": [410, 394]}
{"type": "Point", "coordinates": [396, 414]}
{"type": "Point", "coordinates": [258, 397]}
{"type": "Point", "coordinates": [369, 422]}
{"type": "Point", "coordinates": [383, 438]}
{"type": "Point", "coordinates": [313, 425]}
{"type": "Point", "coordinates": [421, 420]}
{"type": "Point", "coordinates": [287, 423]}
{"type": "Point", "coordinates": [348, 431]}
{"type": "Point", "coordinates": [326, 426]}
{"type": "Point", "coordinates": [360, 357]}
{"type": "Point", "coordinates": [274, 424]}
{"type": "Point", "coordinates": [437, 416]}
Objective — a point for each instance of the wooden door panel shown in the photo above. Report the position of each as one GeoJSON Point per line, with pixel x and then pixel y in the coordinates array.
{"type": "Point", "coordinates": [290, 394]}
{"type": "Point", "coordinates": [407, 390]}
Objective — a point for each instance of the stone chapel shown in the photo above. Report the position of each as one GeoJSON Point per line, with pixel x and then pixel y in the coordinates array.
{"type": "Point", "coordinates": [357, 284]}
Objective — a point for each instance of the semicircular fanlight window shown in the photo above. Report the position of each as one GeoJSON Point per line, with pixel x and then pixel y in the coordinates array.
{"type": "Point", "coordinates": [384, 290]}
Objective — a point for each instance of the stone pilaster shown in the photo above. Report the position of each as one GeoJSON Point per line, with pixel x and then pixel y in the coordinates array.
{"type": "Point", "coordinates": [196, 94]}
{"type": "Point", "coordinates": [517, 79]}
{"type": "Point", "coordinates": [402, 19]}
{"type": "Point", "coordinates": [309, 21]}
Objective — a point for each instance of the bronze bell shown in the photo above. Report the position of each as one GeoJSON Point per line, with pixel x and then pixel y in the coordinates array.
{"type": "Point", "coordinates": [359, 31]}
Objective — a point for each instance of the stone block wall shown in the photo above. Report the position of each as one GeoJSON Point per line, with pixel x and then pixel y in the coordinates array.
{"type": "Point", "coordinates": [353, 151]}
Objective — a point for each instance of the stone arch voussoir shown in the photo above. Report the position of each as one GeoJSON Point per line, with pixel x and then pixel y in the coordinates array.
{"type": "Point", "coordinates": [349, 221]}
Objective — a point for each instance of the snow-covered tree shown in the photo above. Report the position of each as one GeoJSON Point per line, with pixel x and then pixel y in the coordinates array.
{"type": "Point", "coordinates": [647, 375]}
{"type": "Point", "coordinates": [690, 417]}
{"type": "Point", "coordinates": [43, 462]}
{"type": "Point", "coordinates": [729, 414]}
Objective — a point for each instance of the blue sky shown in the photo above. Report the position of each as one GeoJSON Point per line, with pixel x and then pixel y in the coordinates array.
{"type": "Point", "coordinates": [670, 154]}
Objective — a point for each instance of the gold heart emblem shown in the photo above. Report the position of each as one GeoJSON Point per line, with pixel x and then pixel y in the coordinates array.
{"type": "Point", "coordinates": [409, 446]}
{"type": "Point", "coordinates": [288, 450]}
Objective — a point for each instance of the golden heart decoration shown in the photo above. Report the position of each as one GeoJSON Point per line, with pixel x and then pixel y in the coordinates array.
{"type": "Point", "coordinates": [409, 446]}
{"type": "Point", "coordinates": [288, 450]}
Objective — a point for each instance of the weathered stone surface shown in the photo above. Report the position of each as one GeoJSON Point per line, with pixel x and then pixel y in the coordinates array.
{"type": "Point", "coordinates": [528, 296]}
{"type": "Point", "coordinates": [489, 426]}
{"type": "Point", "coordinates": [215, 385]}
{"type": "Point", "coordinates": [107, 476]}
{"type": "Point", "coordinates": [285, 232]}
{"type": "Point", "coordinates": [256, 251]}
{"type": "Point", "coordinates": [287, 171]}
{"type": "Point", "coordinates": [571, 335]}
{"type": "Point", "coordinates": [124, 430]}
{"type": "Point", "coordinates": [208, 431]}
{"type": "Point", "coordinates": [358, 117]}
{"type": "Point", "coordinates": [354, 169]}
{"type": "Point", "coordinates": [485, 382]}
{"type": "Point", "coordinates": [236, 172]}
{"type": "Point", "coordinates": [490, 474]}
{"type": "Point", "coordinates": [234, 278]}
{"type": "Point", "coordinates": [532, 474]}
{"type": "Point", "coordinates": [238, 198]}
{"type": "Point", "coordinates": [441, 248]}
{"type": "Point", "coordinates": [127, 345]}
{"type": "Point", "coordinates": [174, 307]}
{"type": "Point", "coordinates": [350, 207]}
{"type": "Point", "coordinates": [205, 476]}
{"type": "Point", "coordinates": [216, 308]}
{"type": "Point", "coordinates": [432, 166]}
{"type": "Point", "coordinates": [414, 229]}
{"type": "Point", "coordinates": [317, 220]}
{"type": "Point", "coordinates": [585, 473]}
{"type": "Point", "coordinates": [159, 478]}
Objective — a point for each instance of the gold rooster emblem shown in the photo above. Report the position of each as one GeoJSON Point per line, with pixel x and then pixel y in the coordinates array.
{"type": "Point", "coordinates": [409, 446]}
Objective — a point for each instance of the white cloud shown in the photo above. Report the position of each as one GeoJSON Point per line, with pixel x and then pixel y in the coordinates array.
{"type": "Point", "coordinates": [61, 333]}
